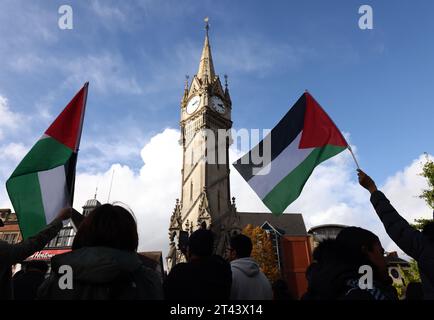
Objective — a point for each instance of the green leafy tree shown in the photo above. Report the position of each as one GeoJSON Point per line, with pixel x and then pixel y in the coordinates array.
{"type": "Point", "coordinates": [420, 223]}
{"type": "Point", "coordinates": [427, 194]}
{"type": "Point", "coordinates": [428, 173]}
{"type": "Point", "coordinates": [408, 275]}
{"type": "Point", "coordinates": [412, 274]}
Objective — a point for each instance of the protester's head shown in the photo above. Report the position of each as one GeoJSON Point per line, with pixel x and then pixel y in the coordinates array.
{"type": "Point", "coordinates": [201, 243]}
{"type": "Point", "coordinates": [280, 290]}
{"type": "Point", "coordinates": [328, 250]}
{"type": "Point", "coordinates": [428, 230]}
{"type": "Point", "coordinates": [110, 226]}
{"type": "Point", "coordinates": [363, 248]}
{"type": "Point", "coordinates": [241, 247]}
{"type": "Point", "coordinates": [36, 265]}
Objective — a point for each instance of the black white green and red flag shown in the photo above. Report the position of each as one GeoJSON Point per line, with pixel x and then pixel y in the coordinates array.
{"type": "Point", "coordinates": [305, 137]}
{"type": "Point", "coordinates": [43, 182]}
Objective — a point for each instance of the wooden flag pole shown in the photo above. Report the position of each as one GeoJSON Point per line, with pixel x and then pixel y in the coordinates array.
{"type": "Point", "coordinates": [354, 157]}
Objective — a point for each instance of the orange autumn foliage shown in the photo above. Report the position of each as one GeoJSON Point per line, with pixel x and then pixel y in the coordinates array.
{"type": "Point", "coordinates": [263, 251]}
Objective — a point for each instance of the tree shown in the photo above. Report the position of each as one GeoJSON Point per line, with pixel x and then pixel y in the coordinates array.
{"type": "Point", "coordinates": [428, 173]}
{"type": "Point", "coordinates": [408, 275]}
{"type": "Point", "coordinates": [427, 194]}
{"type": "Point", "coordinates": [420, 223]}
{"type": "Point", "coordinates": [263, 251]}
{"type": "Point", "coordinates": [412, 274]}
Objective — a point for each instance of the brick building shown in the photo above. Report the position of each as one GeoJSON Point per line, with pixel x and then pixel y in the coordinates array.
{"type": "Point", "coordinates": [9, 228]}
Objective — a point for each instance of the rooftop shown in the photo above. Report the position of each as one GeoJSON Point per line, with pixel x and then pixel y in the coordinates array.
{"type": "Point", "coordinates": [291, 224]}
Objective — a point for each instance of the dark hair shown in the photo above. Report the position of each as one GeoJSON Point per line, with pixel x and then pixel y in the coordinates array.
{"type": "Point", "coordinates": [353, 239]}
{"type": "Point", "coordinates": [242, 245]}
{"type": "Point", "coordinates": [428, 230]}
{"type": "Point", "coordinates": [327, 250]}
{"type": "Point", "coordinates": [110, 226]}
{"type": "Point", "coordinates": [201, 243]}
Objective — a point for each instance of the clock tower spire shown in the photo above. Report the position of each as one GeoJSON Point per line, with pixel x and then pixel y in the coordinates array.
{"type": "Point", "coordinates": [206, 66]}
{"type": "Point", "coordinates": [205, 125]}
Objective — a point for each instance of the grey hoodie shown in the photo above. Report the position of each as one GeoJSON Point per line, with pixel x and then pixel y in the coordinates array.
{"type": "Point", "coordinates": [248, 281]}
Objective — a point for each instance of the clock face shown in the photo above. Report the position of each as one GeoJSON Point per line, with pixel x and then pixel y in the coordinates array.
{"type": "Point", "coordinates": [193, 104]}
{"type": "Point", "coordinates": [217, 104]}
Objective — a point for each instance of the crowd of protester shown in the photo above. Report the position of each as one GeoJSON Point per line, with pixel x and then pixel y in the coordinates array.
{"type": "Point", "coordinates": [106, 265]}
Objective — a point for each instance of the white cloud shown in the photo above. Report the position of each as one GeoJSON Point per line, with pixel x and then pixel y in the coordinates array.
{"type": "Point", "coordinates": [12, 153]}
{"type": "Point", "coordinates": [44, 106]}
{"type": "Point", "coordinates": [8, 119]}
{"type": "Point", "coordinates": [404, 189]}
{"type": "Point", "coordinates": [150, 193]}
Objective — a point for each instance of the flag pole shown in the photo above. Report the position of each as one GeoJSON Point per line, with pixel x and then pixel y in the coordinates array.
{"type": "Point", "coordinates": [354, 157]}
{"type": "Point", "coordinates": [86, 86]}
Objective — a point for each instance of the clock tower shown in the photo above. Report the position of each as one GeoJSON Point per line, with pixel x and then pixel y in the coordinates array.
{"type": "Point", "coordinates": [205, 200]}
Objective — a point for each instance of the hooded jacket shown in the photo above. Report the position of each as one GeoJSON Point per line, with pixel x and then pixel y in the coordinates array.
{"type": "Point", "coordinates": [248, 281]}
{"type": "Point", "coordinates": [101, 273]}
{"type": "Point", "coordinates": [411, 241]}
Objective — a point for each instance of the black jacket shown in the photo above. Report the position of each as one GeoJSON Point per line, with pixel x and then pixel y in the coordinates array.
{"type": "Point", "coordinates": [11, 254]}
{"type": "Point", "coordinates": [26, 284]}
{"type": "Point", "coordinates": [334, 277]}
{"type": "Point", "coordinates": [208, 278]}
{"type": "Point", "coordinates": [101, 273]}
{"type": "Point", "coordinates": [411, 241]}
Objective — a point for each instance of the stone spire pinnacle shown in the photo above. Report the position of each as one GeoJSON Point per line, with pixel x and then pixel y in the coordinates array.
{"type": "Point", "coordinates": [185, 96]}
{"type": "Point", "coordinates": [206, 66]}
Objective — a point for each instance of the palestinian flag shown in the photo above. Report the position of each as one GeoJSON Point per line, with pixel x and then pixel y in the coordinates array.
{"type": "Point", "coordinates": [305, 137]}
{"type": "Point", "coordinates": [43, 182]}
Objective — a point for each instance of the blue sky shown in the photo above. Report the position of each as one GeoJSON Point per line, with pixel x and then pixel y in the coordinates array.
{"type": "Point", "coordinates": [377, 85]}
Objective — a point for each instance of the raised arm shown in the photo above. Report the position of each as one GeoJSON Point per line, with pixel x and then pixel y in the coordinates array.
{"type": "Point", "coordinates": [15, 253]}
{"type": "Point", "coordinates": [409, 239]}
